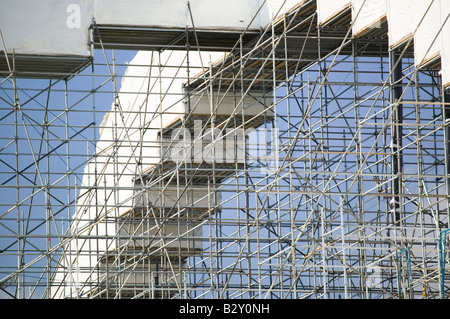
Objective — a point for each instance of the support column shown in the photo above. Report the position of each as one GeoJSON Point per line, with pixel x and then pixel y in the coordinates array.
{"type": "Point", "coordinates": [446, 114]}
{"type": "Point", "coordinates": [396, 136]}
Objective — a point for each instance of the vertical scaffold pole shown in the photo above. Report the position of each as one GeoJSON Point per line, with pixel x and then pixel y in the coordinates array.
{"type": "Point", "coordinates": [446, 115]}
{"type": "Point", "coordinates": [443, 234]}
{"type": "Point", "coordinates": [442, 252]}
{"type": "Point", "coordinates": [396, 135]}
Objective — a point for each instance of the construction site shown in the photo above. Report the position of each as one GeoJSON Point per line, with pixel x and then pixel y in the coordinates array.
{"type": "Point", "coordinates": [240, 149]}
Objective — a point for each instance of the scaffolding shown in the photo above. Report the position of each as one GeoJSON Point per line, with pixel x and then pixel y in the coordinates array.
{"type": "Point", "coordinates": [297, 161]}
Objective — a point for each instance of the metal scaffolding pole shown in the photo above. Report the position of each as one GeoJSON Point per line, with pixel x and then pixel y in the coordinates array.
{"type": "Point", "coordinates": [298, 162]}
{"type": "Point", "coordinates": [396, 91]}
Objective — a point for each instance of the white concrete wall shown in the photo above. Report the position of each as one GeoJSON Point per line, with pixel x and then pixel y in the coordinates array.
{"type": "Point", "coordinates": [222, 15]}
{"type": "Point", "coordinates": [423, 20]}
{"type": "Point", "coordinates": [61, 27]}
{"type": "Point", "coordinates": [327, 9]}
{"type": "Point", "coordinates": [46, 27]}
